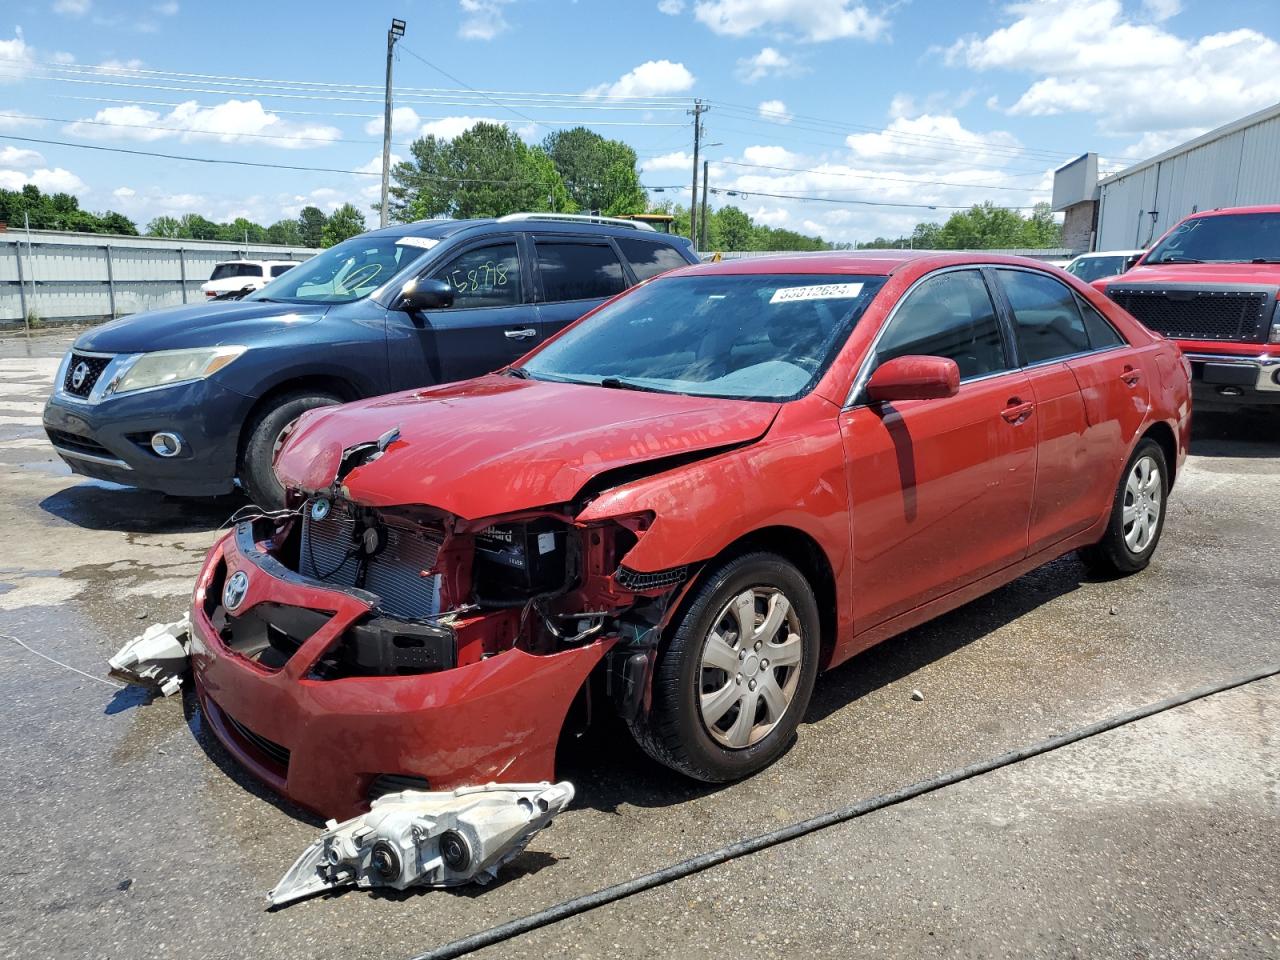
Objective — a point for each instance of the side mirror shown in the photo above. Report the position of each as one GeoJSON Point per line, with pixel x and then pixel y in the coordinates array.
{"type": "Point", "coordinates": [914, 378]}
{"type": "Point", "coordinates": [419, 295]}
{"type": "Point", "coordinates": [1131, 262]}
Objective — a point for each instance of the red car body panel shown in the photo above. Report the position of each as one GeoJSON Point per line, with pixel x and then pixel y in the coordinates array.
{"type": "Point", "coordinates": [915, 507]}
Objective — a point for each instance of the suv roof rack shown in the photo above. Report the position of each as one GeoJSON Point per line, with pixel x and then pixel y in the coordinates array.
{"type": "Point", "coordinates": [579, 218]}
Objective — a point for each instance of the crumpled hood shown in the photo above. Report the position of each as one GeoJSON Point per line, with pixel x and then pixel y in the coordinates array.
{"type": "Point", "coordinates": [248, 322]}
{"type": "Point", "coordinates": [498, 444]}
{"type": "Point", "coordinates": [1192, 274]}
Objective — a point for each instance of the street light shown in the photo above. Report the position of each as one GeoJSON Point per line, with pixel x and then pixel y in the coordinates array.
{"type": "Point", "coordinates": [394, 34]}
{"type": "Point", "coordinates": [397, 28]}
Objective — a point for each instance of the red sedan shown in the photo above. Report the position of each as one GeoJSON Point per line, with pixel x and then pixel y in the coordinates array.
{"type": "Point", "coordinates": [686, 505]}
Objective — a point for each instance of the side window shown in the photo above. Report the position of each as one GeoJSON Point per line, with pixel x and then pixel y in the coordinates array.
{"type": "Point", "coordinates": [281, 268]}
{"type": "Point", "coordinates": [1046, 318]}
{"type": "Point", "coordinates": [579, 271]}
{"type": "Point", "coordinates": [648, 259]}
{"type": "Point", "coordinates": [948, 315]}
{"type": "Point", "coordinates": [484, 277]}
{"type": "Point", "coordinates": [1101, 333]}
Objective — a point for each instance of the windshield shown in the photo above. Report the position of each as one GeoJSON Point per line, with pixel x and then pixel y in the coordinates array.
{"type": "Point", "coordinates": [1091, 268]}
{"type": "Point", "coordinates": [349, 271]}
{"type": "Point", "coordinates": [1228, 238]}
{"type": "Point", "coordinates": [743, 337]}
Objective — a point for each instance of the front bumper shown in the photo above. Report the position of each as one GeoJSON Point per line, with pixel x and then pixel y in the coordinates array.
{"type": "Point", "coordinates": [107, 439]}
{"type": "Point", "coordinates": [1234, 380]}
{"type": "Point", "coordinates": [323, 743]}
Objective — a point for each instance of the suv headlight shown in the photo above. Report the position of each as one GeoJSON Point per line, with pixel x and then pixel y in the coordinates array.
{"type": "Point", "coordinates": [1275, 323]}
{"type": "Point", "coordinates": [165, 367]}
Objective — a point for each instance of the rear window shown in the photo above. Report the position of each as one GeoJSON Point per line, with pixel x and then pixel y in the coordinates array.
{"type": "Point", "coordinates": [280, 268]}
{"type": "Point", "coordinates": [648, 259]}
{"type": "Point", "coordinates": [579, 271]}
{"type": "Point", "coordinates": [225, 271]}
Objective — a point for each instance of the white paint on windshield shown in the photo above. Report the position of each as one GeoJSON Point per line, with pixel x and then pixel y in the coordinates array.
{"type": "Point", "coordinates": [824, 291]}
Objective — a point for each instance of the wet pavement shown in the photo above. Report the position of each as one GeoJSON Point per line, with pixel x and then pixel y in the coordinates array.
{"type": "Point", "coordinates": [136, 837]}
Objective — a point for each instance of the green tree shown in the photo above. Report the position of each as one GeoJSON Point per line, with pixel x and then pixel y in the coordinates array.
{"type": "Point", "coordinates": [487, 171]}
{"type": "Point", "coordinates": [730, 229]}
{"type": "Point", "coordinates": [164, 227]}
{"type": "Point", "coordinates": [58, 211]}
{"type": "Point", "coordinates": [195, 227]}
{"type": "Point", "coordinates": [599, 174]}
{"type": "Point", "coordinates": [311, 223]}
{"type": "Point", "coordinates": [285, 232]}
{"type": "Point", "coordinates": [345, 222]}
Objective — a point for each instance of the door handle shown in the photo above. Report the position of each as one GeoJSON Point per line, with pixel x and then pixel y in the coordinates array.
{"type": "Point", "coordinates": [1130, 376]}
{"type": "Point", "coordinates": [522, 333]}
{"type": "Point", "coordinates": [1018, 410]}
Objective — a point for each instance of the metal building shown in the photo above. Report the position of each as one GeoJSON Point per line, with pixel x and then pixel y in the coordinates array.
{"type": "Point", "coordinates": [1232, 166]}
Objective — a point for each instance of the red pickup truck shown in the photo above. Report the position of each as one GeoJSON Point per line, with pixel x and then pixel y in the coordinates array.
{"type": "Point", "coordinates": [1212, 284]}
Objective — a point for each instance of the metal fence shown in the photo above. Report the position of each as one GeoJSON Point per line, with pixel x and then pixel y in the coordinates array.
{"type": "Point", "coordinates": [48, 276]}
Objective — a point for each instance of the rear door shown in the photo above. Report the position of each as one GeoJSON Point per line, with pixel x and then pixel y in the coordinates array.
{"type": "Point", "coordinates": [575, 274]}
{"type": "Point", "coordinates": [940, 490]}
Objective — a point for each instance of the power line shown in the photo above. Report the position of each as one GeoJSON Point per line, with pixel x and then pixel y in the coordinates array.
{"type": "Point", "coordinates": [862, 203]}
{"type": "Point", "coordinates": [869, 176]}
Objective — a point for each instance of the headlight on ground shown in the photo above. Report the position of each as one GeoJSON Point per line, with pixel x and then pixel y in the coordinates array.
{"type": "Point", "coordinates": [173, 366]}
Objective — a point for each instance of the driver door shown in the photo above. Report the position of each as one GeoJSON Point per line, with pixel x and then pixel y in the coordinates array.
{"type": "Point", "coordinates": [492, 321]}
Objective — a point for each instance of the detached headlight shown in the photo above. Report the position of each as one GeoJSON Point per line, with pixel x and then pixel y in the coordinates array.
{"type": "Point", "coordinates": [164, 367]}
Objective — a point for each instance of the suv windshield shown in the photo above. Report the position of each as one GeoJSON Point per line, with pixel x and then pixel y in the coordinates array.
{"type": "Point", "coordinates": [1227, 238]}
{"type": "Point", "coordinates": [1094, 268]}
{"type": "Point", "coordinates": [349, 271]}
{"type": "Point", "coordinates": [745, 337]}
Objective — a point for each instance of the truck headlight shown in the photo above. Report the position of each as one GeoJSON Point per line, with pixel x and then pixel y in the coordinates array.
{"type": "Point", "coordinates": [165, 367]}
{"type": "Point", "coordinates": [1275, 323]}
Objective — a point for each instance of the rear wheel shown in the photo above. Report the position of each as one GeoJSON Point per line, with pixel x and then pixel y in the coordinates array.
{"type": "Point", "coordinates": [265, 435]}
{"type": "Point", "coordinates": [1137, 515]}
{"type": "Point", "coordinates": [735, 679]}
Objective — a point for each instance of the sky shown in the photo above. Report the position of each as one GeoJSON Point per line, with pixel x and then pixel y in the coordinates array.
{"type": "Point", "coordinates": [848, 119]}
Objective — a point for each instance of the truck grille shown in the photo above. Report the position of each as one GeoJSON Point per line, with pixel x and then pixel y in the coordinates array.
{"type": "Point", "coordinates": [83, 372]}
{"type": "Point", "coordinates": [332, 551]}
{"type": "Point", "coordinates": [1197, 314]}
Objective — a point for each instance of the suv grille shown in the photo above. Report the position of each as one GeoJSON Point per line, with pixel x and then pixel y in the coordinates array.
{"type": "Point", "coordinates": [332, 551]}
{"type": "Point", "coordinates": [1197, 314]}
{"type": "Point", "coordinates": [82, 373]}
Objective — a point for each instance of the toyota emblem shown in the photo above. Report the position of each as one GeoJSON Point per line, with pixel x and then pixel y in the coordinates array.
{"type": "Point", "coordinates": [79, 375]}
{"type": "Point", "coordinates": [233, 593]}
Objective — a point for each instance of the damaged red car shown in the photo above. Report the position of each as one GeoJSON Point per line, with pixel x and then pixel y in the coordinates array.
{"type": "Point", "coordinates": [685, 506]}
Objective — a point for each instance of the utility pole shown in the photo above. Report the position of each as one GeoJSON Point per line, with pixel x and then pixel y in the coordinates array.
{"type": "Point", "coordinates": [394, 34]}
{"type": "Point", "coordinates": [699, 108]}
{"type": "Point", "coordinates": [702, 215]}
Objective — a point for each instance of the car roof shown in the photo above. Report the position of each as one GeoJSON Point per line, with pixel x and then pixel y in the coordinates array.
{"type": "Point", "coordinates": [439, 229]}
{"type": "Point", "coordinates": [865, 262]}
{"type": "Point", "coordinates": [1109, 253]}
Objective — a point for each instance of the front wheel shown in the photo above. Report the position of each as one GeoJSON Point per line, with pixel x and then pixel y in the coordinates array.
{"type": "Point", "coordinates": [1137, 515]}
{"type": "Point", "coordinates": [731, 686]}
{"type": "Point", "coordinates": [264, 436]}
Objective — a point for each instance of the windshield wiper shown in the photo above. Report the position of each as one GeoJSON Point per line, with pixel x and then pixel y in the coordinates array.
{"type": "Point", "coordinates": [519, 373]}
{"type": "Point", "coordinates": [1265, 260]}
{"type": "Point", "coordinates": [617, 383]}
{"type": "Point", "coordinates": [1179, 260]}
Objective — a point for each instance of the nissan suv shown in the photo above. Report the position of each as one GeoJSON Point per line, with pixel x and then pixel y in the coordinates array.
{"type": "Point", "coordinates": [192, 400]}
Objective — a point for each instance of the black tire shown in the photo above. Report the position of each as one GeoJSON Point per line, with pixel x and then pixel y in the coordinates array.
{"type": "Point", "coordinates": [674, 733]}
{"type": "Point", "coordinates": [1113, 555]}
{"type": "Point", "coordinates": [256, 474]}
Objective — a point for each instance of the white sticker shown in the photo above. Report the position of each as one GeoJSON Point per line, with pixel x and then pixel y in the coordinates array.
{"type": "Point", "coordinates": [822, 291]}
{"type": "Point", "coordinates": [425, 243]}
{"type": "Point", "coordinates": [546, 542]}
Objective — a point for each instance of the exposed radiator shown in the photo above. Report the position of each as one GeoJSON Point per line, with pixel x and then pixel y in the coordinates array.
{"type": "Point", "coordinates": [332, 548]}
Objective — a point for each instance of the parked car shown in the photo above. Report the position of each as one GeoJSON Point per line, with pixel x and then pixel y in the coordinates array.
{"type": "Point", "coordinates": [689, 503]}
{"type": "Point", "coordinates": [1109, 263]}
{"type": "Point", "coordinates": [1210, 284]}
{"type": "Point", "coordinates": [191, 400]}
{"type": "Point", "coordinates": [243, 276]}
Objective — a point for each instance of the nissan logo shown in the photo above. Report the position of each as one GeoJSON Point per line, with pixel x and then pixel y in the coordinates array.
{"type": "Point", "coordinates": [233, 593]}
{"type": "Point", "coordinates": [79, 375]}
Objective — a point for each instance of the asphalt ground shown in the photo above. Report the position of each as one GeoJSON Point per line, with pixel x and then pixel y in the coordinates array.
{"type": "Point", "coordinates": [132, 834]}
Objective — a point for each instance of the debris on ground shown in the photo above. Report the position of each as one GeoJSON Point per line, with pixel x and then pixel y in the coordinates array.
{"type": "Point", "coordinates": [417, 838]}
{"type": "Point", "coordinates": [917, 695]}
{"type": "Point", "coordinates": [157, 658]}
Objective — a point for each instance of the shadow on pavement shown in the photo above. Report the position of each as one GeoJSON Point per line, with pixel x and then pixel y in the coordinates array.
{"type": "Point", "coordinates": [1242, 433]}
{"type": "Point", "coordinates": [106, 506]}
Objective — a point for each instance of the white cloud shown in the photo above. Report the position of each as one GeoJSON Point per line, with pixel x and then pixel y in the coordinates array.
{"type": "Point", "coordinates": [811, 20]}
{"type": "Point", "coordinates": [771, 155]}
{"type": "Point", "coordinates": [72, 8]}
{"type": "Point", "coordinates": [116, 67]}
{"type": "Point", "coordinates": [654, 78]}
{"type": "Point", "coordinates": [482, 19]}
{"type": "Point", "coordinates": [235, 121]}
{"type": "Point", "coordinates": [672, 8]}
{"type": "Point", "coordinates": [168, 9]}
{"type": "Point", "coordinates": [668, 161]}
{"type": "Point", "coordinates": [449, 127]}
{"type": "Point", "coordinates": [16, 119]}
{"type": "Point", "coordinates": [16, 58]}
{"type": "Point", "coordinates": [775, 110]}
{"type": "Point", "coordinates": [404, 123]}
{"type": "Point", "coordinates": [15, 157]}
{"type": "Point", "coordinates": [1090, 56]}
{"type": "Point", "coordinates": [375, 165]}
{"type": "Point", "coordinates": [1162, 9]}
{"type": "Point", "coordinates": [932, 141]}
{"type": "Point", "coordinates": [56, 180]}
{"type": "Point", "coordinates": [767, 63]}
{"type": "Point", "coordinates": [124, 193]}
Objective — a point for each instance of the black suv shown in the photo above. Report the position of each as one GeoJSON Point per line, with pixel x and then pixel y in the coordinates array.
{"type": "Point", "coordinates": [189, 400]}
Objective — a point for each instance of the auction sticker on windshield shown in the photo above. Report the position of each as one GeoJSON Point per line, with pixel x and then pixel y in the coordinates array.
{"type": "Point", "coordinates": [822, 291]}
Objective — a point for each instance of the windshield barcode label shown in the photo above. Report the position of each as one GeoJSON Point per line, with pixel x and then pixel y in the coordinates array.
{"type": "Point", "coordinates": [822, 291]}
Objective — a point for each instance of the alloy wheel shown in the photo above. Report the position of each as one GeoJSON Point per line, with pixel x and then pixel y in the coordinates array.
{"type": "Point", "coordinates": [1142, 504]}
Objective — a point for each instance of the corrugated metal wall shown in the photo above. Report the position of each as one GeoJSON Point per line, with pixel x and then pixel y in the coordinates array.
{"type": "Point", "coordinates": [1237, 169]}
{"type": "Point", "coordinates": [87, 277]}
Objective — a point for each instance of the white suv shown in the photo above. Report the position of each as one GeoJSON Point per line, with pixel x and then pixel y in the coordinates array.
{"type": "Point", "coordinates": [241, 276]}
